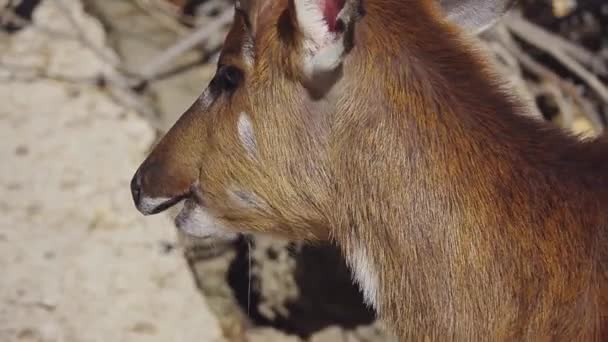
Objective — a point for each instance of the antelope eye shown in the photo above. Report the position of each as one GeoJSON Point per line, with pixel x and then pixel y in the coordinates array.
{"type": "Point", "coordinates": [228, 78]}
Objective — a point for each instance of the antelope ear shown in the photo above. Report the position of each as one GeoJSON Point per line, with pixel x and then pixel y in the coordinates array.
{"type": "Point", "coordinates": [326, 28]}
{"type": "Point", "coordinates": [475, 16]}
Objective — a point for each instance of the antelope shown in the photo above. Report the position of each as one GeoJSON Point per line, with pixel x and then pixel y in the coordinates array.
{"type": "Point", "coordinates": [381, 126]}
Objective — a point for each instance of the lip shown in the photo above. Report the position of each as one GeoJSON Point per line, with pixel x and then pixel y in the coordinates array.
{"type": "Point", "coordinates": [167, 204]}
{"type": "Point", "coordinates": [193, 194]}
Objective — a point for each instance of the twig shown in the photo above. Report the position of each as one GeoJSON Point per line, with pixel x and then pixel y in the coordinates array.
{"type": "Point", "coordinates": [123, 76]}
{"type": "Point", "coordinates": [30, 74]}
{"type": "Point", "coordinates": [205, 9]}
{"type": "Point", "coordinates": [567, 108]}
{"type": "Point", "coordinates": [497, 40]}
{"type": "Point", "coordinates": [543, 40]}
{"type": "Point", "coordinates": [549, 77]}
{"type": "Point", "coordinates": [102, 54]}
{"type": "Point", "coordinates": [119, 85]}
{"type": "Point", "coordinates": [578, 52]}
{"type": "Point", "coordinates": [161, 17]}
{"type": "Point", "coordinates": [212, 5]}
{"type": "Point", "coordinates": [10, 16]}
{"type": "Point", "coordinates": [203, 33]}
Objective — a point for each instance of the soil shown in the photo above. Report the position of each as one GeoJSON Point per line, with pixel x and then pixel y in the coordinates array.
{"type": "Point", "coordinates": [79, 262]}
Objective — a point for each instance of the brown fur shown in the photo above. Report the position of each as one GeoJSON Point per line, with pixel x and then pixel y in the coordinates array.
{"type": "Point", "coordinates": [481, 223]}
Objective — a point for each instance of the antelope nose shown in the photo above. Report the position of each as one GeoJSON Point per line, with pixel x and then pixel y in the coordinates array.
{"type": "Point", "coordinates": [146, 197]}
{"type": "Point", "coordinates": [136, 190]}
{"type": "Point", "coordinates": [146, 204]}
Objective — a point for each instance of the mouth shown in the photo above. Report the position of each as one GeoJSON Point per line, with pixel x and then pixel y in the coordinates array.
{"type": "Point", "coordinates": [184, 210]}
{"type": "Point", "coordinates": [196, 221]}
{"type": "Point", "coordinates": [167, 204]}
{"type": "Point", "coordinates": [152, 206]}
{"type": "Point", "coordinates": [191, 217]}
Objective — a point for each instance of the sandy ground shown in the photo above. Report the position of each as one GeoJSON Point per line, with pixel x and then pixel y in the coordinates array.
{"type": "Point", "coordinates": [78, 262]}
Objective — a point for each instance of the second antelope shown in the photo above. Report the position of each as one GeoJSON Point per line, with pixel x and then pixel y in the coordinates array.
{"type": "Point", "coordinates": [379, 125]}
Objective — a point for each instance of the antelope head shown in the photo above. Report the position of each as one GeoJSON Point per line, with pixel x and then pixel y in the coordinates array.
{"type": "Point", "coordinates": [256, 152]}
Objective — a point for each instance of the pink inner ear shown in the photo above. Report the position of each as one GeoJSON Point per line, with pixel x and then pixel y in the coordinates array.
{"type": "Point", "coordinates": [331, 8]}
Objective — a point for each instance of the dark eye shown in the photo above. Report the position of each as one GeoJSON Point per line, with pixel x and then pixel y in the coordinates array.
{"type": "Point", "coordinates": [228, 78]}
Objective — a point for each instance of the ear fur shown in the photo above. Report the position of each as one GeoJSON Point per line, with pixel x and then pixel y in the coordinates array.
{"type": "Point", "coordinates": [475, 16]}
{"type": "Point", "coordinates": [325, 27]}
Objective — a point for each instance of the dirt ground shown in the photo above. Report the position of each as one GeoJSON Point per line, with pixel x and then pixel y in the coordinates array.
{"type": "Point", "coordinates": [78, 262]}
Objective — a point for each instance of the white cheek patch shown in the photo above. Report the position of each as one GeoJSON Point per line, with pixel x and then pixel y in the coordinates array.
{"type": "Point", "coordinates": [366, 276]}
{"type": "Point", "coordinates": [195, 221]}
{"type": "Point", "coordinates": [246, 199]}
{"type": "Point", "coordinates": [206, 99]}
{"type": "Point", "coordinates": [247, 51]}
{"type": "Point", "coordinates": [246, 135]}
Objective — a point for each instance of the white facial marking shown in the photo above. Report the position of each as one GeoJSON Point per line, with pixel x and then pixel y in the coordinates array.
{"type": "Point", "coordinates": [206, 99]}
{"type": "Point", "coordinates": [246, 199]}
{"type": "Point", "coordinates": [366, 276]}
{"type": "Point", "coordinates": [247, 51]}
{"type": "Point", "coordinates": [195, 221]}
{"type": "Point", "coordinates": [246, 135]}
{"type": "Point", "coordinates": [148, 204]}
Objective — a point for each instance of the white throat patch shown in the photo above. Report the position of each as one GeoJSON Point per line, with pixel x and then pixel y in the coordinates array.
{"type": "Point", "coordinates": [366, 276]}
{"type": "Point", "coordinates": [194, 220]}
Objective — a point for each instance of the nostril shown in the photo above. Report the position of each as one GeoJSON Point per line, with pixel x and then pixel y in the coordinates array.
{"type": "Point", "coordinates": [136, 189]}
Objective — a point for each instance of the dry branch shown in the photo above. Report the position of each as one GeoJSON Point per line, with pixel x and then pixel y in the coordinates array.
{"type": "Point", "coordinates": [82, 37]}
{"type": "Point", "coordinates": [566, 95]}
{"type": "Point", "coordinates": [150, 70]}
{"type": "Point", "coordinates": [169, 21]}
{"type": "Point", "coordinates": [119, 83]}
{"type": "Point", "coordinates": [561, 50]}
